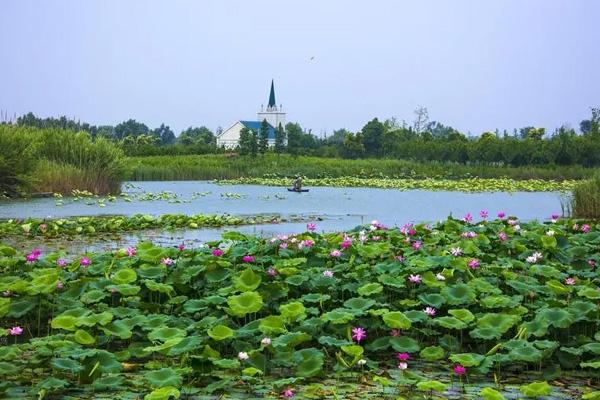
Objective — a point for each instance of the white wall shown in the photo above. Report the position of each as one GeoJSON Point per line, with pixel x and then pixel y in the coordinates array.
{"type": "Point", "coordinates": [231, 136]}
{"type": "Point", "coordinates": [273, 117]}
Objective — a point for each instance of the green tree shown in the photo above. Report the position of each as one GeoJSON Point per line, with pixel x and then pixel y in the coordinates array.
{"type": "Point", "coordinates": [164, 134]}
{"type": "Point", "coordinates": [253, 142]}
{"type": "Point", "coordinates": [353, 146]}
{"type": "Point", "coordinates": [245, 142]}
{"type": "Point", "coordinates": [372, 134]}
{"type": "Point", "coordinates": [294, 136]}
{"type": "Point", "coordinates": [280, 140]}
{"type": "Point", "coordinates": [130, 128]}
{"type": "Point", "coordinates": [263, 139]}
{"type": "Point", "coordinates": [197, 135]}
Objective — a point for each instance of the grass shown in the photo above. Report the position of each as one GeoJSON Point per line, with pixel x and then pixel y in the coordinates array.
{"type": "Point", "coordinates": [586, 198]}
{"type": "Point", "coordinates": [208, 167]}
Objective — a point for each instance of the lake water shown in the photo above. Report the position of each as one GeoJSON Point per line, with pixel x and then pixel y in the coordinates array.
{"type": "Point", "coordinates": [341, 208]}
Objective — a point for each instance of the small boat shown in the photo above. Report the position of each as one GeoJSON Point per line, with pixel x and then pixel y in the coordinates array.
{"type": "Point", "coordinates": [296, 190]}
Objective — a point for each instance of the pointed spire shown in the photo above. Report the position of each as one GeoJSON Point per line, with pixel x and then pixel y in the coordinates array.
{"type": "Point", "coordinates": [272, 96]}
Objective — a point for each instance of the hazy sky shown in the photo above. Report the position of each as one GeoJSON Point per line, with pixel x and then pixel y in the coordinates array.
{"type": "Point", "coordinates": [477, 65]}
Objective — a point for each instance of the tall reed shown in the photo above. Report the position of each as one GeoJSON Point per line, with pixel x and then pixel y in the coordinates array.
{"type": "Point", "coordinates": [586, 198]}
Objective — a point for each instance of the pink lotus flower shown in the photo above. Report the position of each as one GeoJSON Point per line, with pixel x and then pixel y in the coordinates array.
{"type": "Point", "coordinates": [167, 261]}
{"type": "Point", "coordinates": [358, 334]}
{"type": "Point", "coordinates": [430, 311]}
{"type": "Point", "coordinates": [272, 272]}
{"type": "Point", "coordinates": [243, 356]}
{"type": "Point", "coordinates": [248, 259]}
{"type": "Point", "coordinates": [306, 243]}
{"type": "Point", "coordinates": [32, 257]}
{"type": "Point", "coordinates": [7, 293]}
{"type": "Point", "coordinates": [511, 222]}
{"type": "Point", "coordinates": [266, 341]}
{"type": "Point", "coordinates": [347, 242]}
{"type": "Point", "coordinates": [395, 332]}
{"type": "Point", "coordinates": [570, 281]}
{"type": "Point", "coordinates": [217, 252]}
{"type": "Point", "coordinates": [328, 274]}
{"type": "Point", "coordinates": [585, 228]}
{"type": "Point", "coordinates": [403, 356]}
{"type": "Point", "coordinates": [460, 370]}
{"type": "Point", "coordinates": [473, 263]}
{"type": "Point", "coordinates": [456, 251]}
{"type": "Point", "coordinates": [469, 235]}
{"type": "Point", "coordinates": [181, 247]}
{"type": "Point", "coordinates": [592, 263]}
{"type": "Point", "coordinates": [59, 285]}
{"type": "Point", "coordinates": [503, 236]}
{"type": "Point", "coordinates": [415, 278]}
{"type": "Point", "coordinates": [483, 214]}
{"type": "Point", "coordinates": [400, 259]}
{"type": "Point", "coordinates": [501, 214]}
{"type": "Point", "coordinates": [61, 262]}
{"type": "Point", "coordinates": [417, 245]}
{"type": "Point", "coordinates": [288, 393]}
{"type": "Point", "coordinates": [283, 246]}
{"type": "Point", "coordinates": [311, 227]}
{"type": "Point", "coordinates": [131, 251]}
{"type": "Point", "coordinates": [554, 217]}
{"type": "Point", "coordinates": [85, 261]}
{"type": "Point", "coordinates": [575, 227]}
{"type": "Point", "coordinates": [402, 366]}
{"type": "Point", "coordinates": [335, 253]}
{"type": "Point", "coordinates": [468, 218]}
{"type": "Point", "coordinates": [15, 331]}
{"type": "Point", "coordinates": [43, 228]}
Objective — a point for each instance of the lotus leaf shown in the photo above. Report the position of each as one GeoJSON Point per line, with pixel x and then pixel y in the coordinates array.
{"type": "Point", "coordinates": [124, 276]}
{"type": "Point", "coordinates": [370, 289]}
{"type": "Point", "coordinates": [467, 359]}
{"type": "Point", "coordinates": [435, 386]}
{"type": "Point", "coordinates": [404, 344]}
{"type": "Point", "coordinates": [309, 362]}
{"type": "Point", "coordinates": [458, 294]}
{"type": "Point", "coordinates": [397, 320]}
{"type": "Point", "coordinates": [220, 332]}
{"type": "Point", "coordinates": [536, 389]}
{"type": "Point", "coordinates": [67, 364]}
{"type": "Point", "coordinates": [293, 311]}
{"type": "Point", "coordinates": [247, 281]}
{"type": "Point", "coordinates": [83, 337]}
{"type": "Point", "coordinates": [163, 377]}
{"type": "Point", "coordinates": [432, 353]}
{"type": "Point", "coordinates": [491, 394]}
{"type": "Point", "coordinates": [557, 317]}
{"type": "Point", "coordinates": [245, 303]}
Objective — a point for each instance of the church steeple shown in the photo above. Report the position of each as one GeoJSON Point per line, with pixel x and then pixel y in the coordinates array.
{"type": "Point", "coordinates": [272, 105]}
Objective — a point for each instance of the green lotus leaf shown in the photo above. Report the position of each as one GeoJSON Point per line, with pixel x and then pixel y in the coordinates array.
{"type": "Point", "coordinates": [353, 350]}
{"type": "Point", "coordinates": [163, 377]}
{"type": "Point", "coordinates": [392, 281]}
{"type": "Point", "coordinates": [292, 312]}
{"type": "Point", "coordinates": [592, 347]}
{"type": "Point", "coordinates": [463, 314]}
{"type": "Point", "coordinates": [102, 318]}
{"type": "Point", "coordinates": [589, 293]}
{"type": "Point", "coordinates": [370, 288]}
{"type": "Point", "coordinates": [548, 242]}
{"type": "Point", "coordinates": [217, 275]}
{"type": "Point", "coordinates": [94, 296]}
{"type": "Point", "coordinates": [500, 301]}
{"type": "Point", "coordinates": [124, 276]}
{"type": "Point", "coordinates": [52, 384]}
{"type": "Point", "coordinates": [432, 299]}
{"type": "Point", "coordinates": [592, 364]}
{"type": "Point", "coordinates": [581, 310]}
{"type": "Point", "coordinates": [291, 339]}
{"type": "Point", "coordinates": [83, 337]}
{"type": "Point", "coordinates": [450, 323]}
{"type": "Point", "coordinates": [247, 281]}
{"type": "Point", "coordinates": [591, 395]}
{"type": "Point", "coordinates": [404, 344]}
{"type": "Point", "coordinates": [10, 369]}
{"type": "Point", "coordinates": [159, 287]}
{"type": "Point", "coordinates": [296, 280]}
{"type": "Point", "coordinates": [397, 320]}
{"type": "Point", "coordinates": [467, 359]}
{"type": "Point", "coordinates": [526, 352]}
{"type": "Point", "coordinates": [333, 341]}
{"type": "Point", "coordinates": [491, 394]}
{"type": "Point", "coordinates": [194, 306]}
{"type": "Point", "coordinates": [271, 325]}
{"type": "Point", "coordinates": [126, 289]}
{"type": "Point", "coordinates": [227, 363]}
{"type": "Point", "coordinates": [536, 389]}
{"type": "Point", "coordinates": [416, 316]}
{"type": "Point", "coordinates": [220, 332]}
{"type": "Point", "coordinates": [359, 304]}
{"type": "Point", "coordinates": [557, 287]}
{"type": "Point", "coordinates": [66, 364]}
{"type": "Point", "coordinates": [432, 353]}
{"type": "Point", "coordinates": [338, 316]}
{"type": "Point", "coordinates": [4, 306]}
{"type": "Point", "coordinates": [427, 386]}
{"type": "Point", "coordinates": [309, 362]}
{"type": "Point", "coordinates": [20, 306]}
{"type": "Point", "coordinates": [245, 303]}
{"type": "Point", "coordinates": [315, 297]}
{"type": "Point", "coordinates": [166, 333]}
{"type": "Point", "coordinates": [104, 361]}
{"type": "Point", "coordinates": [251, 371]}
{"type": "Point", "coordinates": [557, 317]}
{"type": "Point", "coordinates": [458, 294]}
{"type": "Point", "coordinates": [186, 345]}
{"type": "Point", "coordinates": [118, 328]}
{"type": "Point", "coordinates": [494, 325]}
{"type": "Point", "coordinates": [107, 383]}
{"type": "Point", "coordinates": [65, 322]}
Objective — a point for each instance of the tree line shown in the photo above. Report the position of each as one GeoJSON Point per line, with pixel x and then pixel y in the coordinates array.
{"type": "Point", "coordinates": [423, 140]}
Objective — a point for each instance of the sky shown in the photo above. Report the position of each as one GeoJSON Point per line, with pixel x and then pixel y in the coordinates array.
{"type": "Point", "coordinates": [476, 65]}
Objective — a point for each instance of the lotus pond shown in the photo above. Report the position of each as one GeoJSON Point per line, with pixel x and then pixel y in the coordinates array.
{"type": "Point", "coordinates": [459, 309]}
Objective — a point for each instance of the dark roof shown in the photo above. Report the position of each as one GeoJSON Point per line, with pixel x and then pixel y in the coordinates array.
{"type": "Point", "coordinates": [255, 126]}
{"type": "Point", "coordinates": [272, 96]}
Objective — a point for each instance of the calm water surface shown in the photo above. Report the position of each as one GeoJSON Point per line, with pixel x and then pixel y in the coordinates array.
{"type": "Point", "coordinates": [341, 208]}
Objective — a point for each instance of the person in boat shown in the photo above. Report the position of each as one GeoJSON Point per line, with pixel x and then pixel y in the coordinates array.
{"type": "Point", "coordinates": [298, 184]}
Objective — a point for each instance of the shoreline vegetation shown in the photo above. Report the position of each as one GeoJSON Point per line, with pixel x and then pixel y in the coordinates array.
{"type": "Point", "coordinates": [454, 310]}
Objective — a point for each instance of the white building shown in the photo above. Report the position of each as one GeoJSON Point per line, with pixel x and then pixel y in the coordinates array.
{"type": "Point", "coordinates": [275, 116]}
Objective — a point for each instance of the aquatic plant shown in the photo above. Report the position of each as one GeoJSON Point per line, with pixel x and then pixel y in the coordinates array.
{"type": "Point", "coordinates": [209, 322]}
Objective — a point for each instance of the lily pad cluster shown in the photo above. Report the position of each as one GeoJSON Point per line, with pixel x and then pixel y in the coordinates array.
{"type": "Point", "coordinates": [465, 298]}
{"type": "Point", "coordinates": [461, 185]}
{"type": "Point", "coordinates": [115, 224]}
